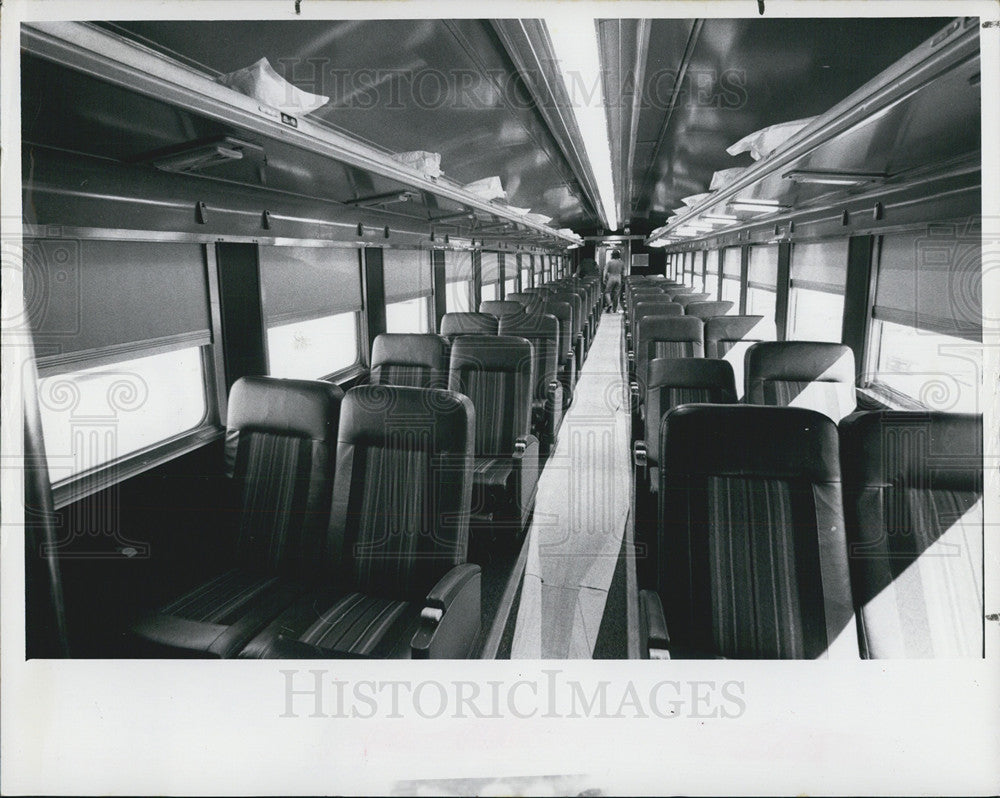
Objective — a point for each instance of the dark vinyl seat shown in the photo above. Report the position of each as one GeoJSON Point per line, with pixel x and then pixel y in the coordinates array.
{"type": "Point", "coordinates": [572, 298]}
{"type": "Point", "coordinates": [690, 298]}
{"type": "Point", "coordinates": [812, 374]}
{"type": "Point", "coordinates": [496, 374]}
{"type": "Point", "coordinates": [542, 332]}
{"type": "Point", "coordinates": [661, 336]}
{"type": "Point", "coordinates": [650, 306]}
{"type": "Point", "coordinates": [280, 453]}
{"type": "Point", "coordinates": [456, 324]}
{"type": "Point", "coordinates": [729, 337]}
{"type": "Point", "coordinates": [501, 308]}
{"type": "Point", "coordinates": [672, 382]}
{"type": "Point", "coordinates": [410, 360]}
{"type": "Point", "coordinates": [398, 584]}
{"type": "Point", "coordinates": [913, 497]}
{"type": "Point", "coordinates": [679, 290]}
{"type": "Point", "coordinates": [707, 310]}
{"type": "Point", "coordinates": [565, 357]}
{"type": "Point", "coordinates": [751, 548]}
{"type": "Point", "coordinates": [530, 302]}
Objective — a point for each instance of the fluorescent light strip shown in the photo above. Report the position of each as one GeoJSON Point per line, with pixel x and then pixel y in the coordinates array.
{"type": "Point", "coordinates": [575, 45]}
{"type": "Point", "coordinates": [756, 206]}
{"type": "Point", "coordinates": [833, 178]}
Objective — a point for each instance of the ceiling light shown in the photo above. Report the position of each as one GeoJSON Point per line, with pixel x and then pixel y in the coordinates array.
{"type": "Point", "coordinates": [575, 46]}
{"type": "Point", "coordinates": [833, 178]}
{"type": "Point", "coordinates": [757, 206]}
{"type": "Point", "coordinates": [724, 218]}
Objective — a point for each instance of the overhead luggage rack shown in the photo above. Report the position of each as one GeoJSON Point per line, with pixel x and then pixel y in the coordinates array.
{"type": "Point", "coordinates": [112, 58]}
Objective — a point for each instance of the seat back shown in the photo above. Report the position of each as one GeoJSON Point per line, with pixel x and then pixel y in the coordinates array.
{"type": "Point", "coordinates": [280, 450]}
{"type": "Point", "coordinates": [812, 374]}
{"type": "Point", "coordinates": [501, 307]}
{"type": "Point", "coordinates": [752, 555]}
{"type": "Point", "coordinates": [495, 373]}
{"type": "Point", "coordinates": [913, 498]}
{"type": "Point", "coordinates": [402, 493]}
{"type": "Point", "coordinates": [573, 299]}
{"type": "Point", "coordinates": [542, 331]}
{"type": "Point", "coordinates": [707, 310]}
{"type": "Point", "coordinates": [563, 312]}
{"type": "Point", "coordinates": [647, 306]}
{"type": "Point", "coordinates": [677, 381]}
{"type": "Point", "coordinates": [679, 290]}
{"type": "Point", "coordinates": [456, 324]}
{"type": "Point", "coordinates": [665, 336]}
{"type": "Point", "coordinates": [690, 298]}
{"type": "Point", "coordinates": [530, 302]}
{"type": "Point", "coordinates": [729, 337]}
{"type": "Point", "coordinates": [414, 360]}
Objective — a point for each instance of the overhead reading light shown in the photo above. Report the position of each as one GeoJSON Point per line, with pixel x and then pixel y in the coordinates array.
{"type": "Point", "coordinates": [833, 178]}
{"type": "Point", "coordinates": [722, 218]}
{"type": "Point", "coordinates": [575, 46]}
{"type": "Point", "coordinates": [197, 156]}
{"type": "Point", "coordinates": [757, 206]}
{"type": "Point", "coordinates": [660, 242]}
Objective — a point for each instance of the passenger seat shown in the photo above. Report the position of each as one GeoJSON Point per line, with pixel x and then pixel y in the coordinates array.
{"type": "Point", "coordinates": [280, 453]}
{"type": "Point", "coordinates": [410, 360]}
{"type": "Point", "coordinates": [397, 581]}
{"type": "Point", "coordinates": [456, 324]}
{"type": "Point", "coordinates": [913, 491]}
{"type": "Point", "coordinates": [812, 374]}
{"type": "Point", "coordinates": [752, 549]}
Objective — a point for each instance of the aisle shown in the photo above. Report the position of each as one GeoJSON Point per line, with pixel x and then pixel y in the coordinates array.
{"type": "Point", "coordinates": [580, 513]}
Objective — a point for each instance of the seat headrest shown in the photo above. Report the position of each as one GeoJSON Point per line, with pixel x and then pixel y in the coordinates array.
{"type": "Point", "coordinates": [732, 328]}
{"type": "Point", "coordinates": [491, 353]}
{"type": "Point", "coordinates": [749, 441]}
{"type": "Point", "coordinates": [657, 308]}
{"type": "Point", "coordinates": [691, 372]}
{"type": "Point", "coordinates": [375, 415]}
{"type": "Point", "coordinates": [427, 349]}
{"type": "Point", "coordinates": [501, 308]}
{"type": "Point", "coordinates": [300, 408]}
{"type": "Point", "coordinates": [687, 299]}
{"type": "Point", "coordinates": [707, 310]}
{"type": "Point", "coordinates": [468, 324]}
{"type": "Point", "coordinates": [814, 361]}
{"type": "Point", "coordinates": [543, 325]}
{"type": "Point", "coordinates": [670, 328]}
{"type": "Point", "coordinates": [923, 448]}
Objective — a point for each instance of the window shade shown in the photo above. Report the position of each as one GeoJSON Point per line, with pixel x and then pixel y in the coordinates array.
{"type": "Point", "coordinates": [407, 274]}
{"type": "Point", "coordinates": [820, 263]}
{"type": "Point", "coordinates": [931, 280]}
{"type": "Point", "coordinates": [300, 283]}
{"type": "Point", "coordinates": [490, 267]}
{"type": "Point", "coordinates": [101, 295]}
{"type": "Point", "coordinates": [764, 266]}
{"type": "Point", "coordinates": [457, 266]}
{"type": "Point", "coordinates": [731, 263]}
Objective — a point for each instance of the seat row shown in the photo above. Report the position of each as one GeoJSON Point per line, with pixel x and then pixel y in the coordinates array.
{"type": "Point", "coordinates": [781, 536]}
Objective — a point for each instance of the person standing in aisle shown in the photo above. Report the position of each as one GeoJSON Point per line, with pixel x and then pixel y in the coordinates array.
{"type": "Point", "coordinates": [613, 271]}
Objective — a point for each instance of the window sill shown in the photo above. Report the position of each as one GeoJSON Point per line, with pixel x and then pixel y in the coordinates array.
{"type": "Point", "coordinates": [90, 482]}
{"type": "Point", "coordinates": [887, 399]}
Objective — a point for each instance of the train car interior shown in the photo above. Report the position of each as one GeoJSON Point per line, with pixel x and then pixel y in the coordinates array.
{"type": "Point", "coordinates": [504, 338]}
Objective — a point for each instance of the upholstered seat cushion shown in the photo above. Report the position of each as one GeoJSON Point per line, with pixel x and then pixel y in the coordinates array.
{"type": "Point", "coordinates": [351, 623]}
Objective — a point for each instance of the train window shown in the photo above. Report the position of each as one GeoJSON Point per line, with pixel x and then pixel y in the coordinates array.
{"type": "Point", "coordinates": [313, 348]}
{"type": "Point", "coordinates": [712, 274]}
{"type": "Point", "coordinates": [926, 340]}
{"type": "Point", "coordinates": [525, 276]}
{"type": "Point", "coordinates": [762, 281]}
{"type": "Point", "coordinates": [816, 295]}
{"type": "Point", "coordinates": [408, 316]}
{"type": "Point", "coordinates": [458, 281]}
{"type": "Point", "coordinates": [731, 277]}
{"type": "Point", "coordinates": [490, 271]}
{"type": "Point", "coordinates": [94, 416]}
{"type": "Point", "coordinates": [941, 372]}
{"type": "Point", "coordinates": [510, 287]}
{"type": "Point", "coordinates": [312, 301]}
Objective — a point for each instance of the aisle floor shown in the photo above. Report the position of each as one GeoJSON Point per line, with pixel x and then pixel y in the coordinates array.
{"type": "Point", "coordinates": [580, 513]}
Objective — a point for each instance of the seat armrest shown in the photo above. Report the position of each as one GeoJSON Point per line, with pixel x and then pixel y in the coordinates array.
{"type": "Point", "coordinates": [655, 640]}
{"type": "Point", "coordinates": [451, 617]}
{"type": "Point", "coordinates": [526, 455]}
{"type": "Point", "coordinates": [639, 454]}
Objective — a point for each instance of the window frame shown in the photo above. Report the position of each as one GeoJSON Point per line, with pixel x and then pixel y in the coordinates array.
{"type": "Point", "coordinates": [341, 373]}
